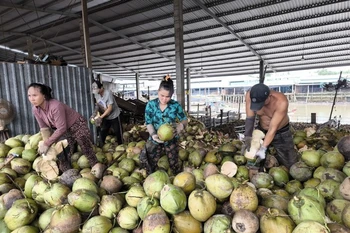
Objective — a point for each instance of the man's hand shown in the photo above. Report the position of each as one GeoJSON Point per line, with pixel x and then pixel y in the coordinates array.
{"type": "Point", "coordinates": [261, 154]}
{"type": "Point", "coordinates": [246, 145]}
{"type": "Point", "coordinates": [43, 148]}
{"type": "Point", "coordinates": [156, 138]}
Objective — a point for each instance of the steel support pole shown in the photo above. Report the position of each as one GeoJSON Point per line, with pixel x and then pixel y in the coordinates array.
{"type": "Point", "coordinates": [188, 89]}
{"type": "Point", "coordinates": [86, 34]}
{"type": "Point", "coordinates": [137, 77]}
{"type": "Point", "coordinates": [30, 47]}
{"type": "Point", "coordinates": [179, 52]}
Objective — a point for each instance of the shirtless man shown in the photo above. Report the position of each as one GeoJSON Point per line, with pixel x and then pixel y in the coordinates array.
{"type": "Point", "coordinates": [271, 108]}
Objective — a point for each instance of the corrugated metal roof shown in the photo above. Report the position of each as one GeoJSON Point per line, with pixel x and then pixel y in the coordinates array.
{"type": "Point", "coordinates": [125, 34]}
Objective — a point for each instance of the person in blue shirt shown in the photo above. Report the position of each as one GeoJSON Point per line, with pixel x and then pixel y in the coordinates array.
{"type": "Point", "coordinates": [158, 112]}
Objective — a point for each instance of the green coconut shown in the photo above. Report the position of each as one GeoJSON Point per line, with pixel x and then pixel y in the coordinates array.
{"type": "Point", "coordinates": [84, 200]}
{"type": "Point", "coordinates": [110, 205]}
{"type": "Point", "coordinates": [3, 227]}
{"type": "Point", "coordinates": [34, 140]}
{"type": "Point", "coordinates": [262, 180]}
{"type": "Point", "coordinates": [184, 222]}
{"type": "Point", "coordinates": [304, 208]}
{"type": "Point", "coordinates": [310, 227]}
{"type": "Point", "coordinates": [218, 223]}
{"type": "Point", "coordinates": [244, 197]}
{"type": "Point", "coordinates": [327, 188]}
{"type": "Point", "coordinates": [318, 172]}
{"type": "Point", "coordinates": [219, 185]}
{"type": "Point", "coordinates": [173, 199]}
{"type": "Point", "coordinates": [195, 158]}
{"type": "Point", "coordinates": [45, 218]}
{"type": "Point", "coordinates": [275, 201]}
{"type": "Point", "coordinates": [300, 171]}
{"type": "Point", "coordinates": [311, 158]}
{"type": "Point", "coordinates": [242, 173]}
{"type": "Point", "coordinates": [4, 149]}
{"type": "Point", "coordinates": [128, 218]}
{"type": "Point", "coordinates": [14, 142]}
{"type": "Point", "coordinates": [97, 224]}
{"type": "Point", "coordinates": [134, 195]}
{"type": "Point", "coordinates": [118, 230]}
{"type": "Point", "coordinates": [16, 150]}
{"type": "Point", "coordinates": [201, 204]}
{"type": "Point", "coordinates": [156, 221]}
{"type": "Point", "coordinates": [333, 159]}
{"type": "Point", "coordinates": [276, 220]}
{"type": "Point", "coordinates": [21, 166]}
{"type": "Point", "coordinates": [334, 209]}
{"type": "Point", "coordinates": [280, 176]}
{"type": "Point", "coordinates": [313, 182]}
{"type": "Point", "coordinates": [333, 174]}
{"type": "Point", "coordinates": [57, 195]}
{"type": "Point", "coordinates": [21, 213]}
{"type": "Point", "coordinates": [186, 181]}
{"type": "Point", "coordinates": [345, 216]}
{"type": "Point", "coordinates": [313, 193]}
{"type": "Point", "coordinates": [127, 164]}
{"type": "Point", "coordinates": [26, 229]}
{"type": "Point", "coordinates": [165, 132]}
{"type": "Point", "coordinates": [85, 183]}
{"type": "Point", "coordinates": [65, 218]}
{"type": "Point", "coordinates": [29, 154]}
{"type": "Point", "coordinates": [39, 190]}
{"type": "Point", "coordinates": [145, 205]}
{"type": "Point", "coordinates": [154, 183]}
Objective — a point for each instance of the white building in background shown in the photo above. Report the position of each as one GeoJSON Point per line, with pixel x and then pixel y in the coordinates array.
{"type": "Point", "coordinates": [287, 82]}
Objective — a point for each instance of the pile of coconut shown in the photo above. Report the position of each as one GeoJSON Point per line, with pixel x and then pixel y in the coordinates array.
{"type": "Point", "coordinates": [213, 193]}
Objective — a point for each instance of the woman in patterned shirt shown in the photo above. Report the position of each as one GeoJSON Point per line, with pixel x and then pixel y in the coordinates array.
{"type": "Point", "coordinates": [53, 115]}
{"type": "Point", "coordinates": [158, 112]}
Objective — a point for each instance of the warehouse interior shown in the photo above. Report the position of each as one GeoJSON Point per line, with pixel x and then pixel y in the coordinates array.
{"type": "Point", "coordinates": [219, 38]}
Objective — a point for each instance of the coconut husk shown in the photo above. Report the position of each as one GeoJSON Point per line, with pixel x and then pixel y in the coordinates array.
{"type": "Point", "coordinates": [49, 169]}
{"type": "Point", "coordinates": [54, 149]}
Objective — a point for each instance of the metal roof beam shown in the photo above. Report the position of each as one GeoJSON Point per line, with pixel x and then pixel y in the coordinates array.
{"type": "Point", "coordinates": [63, 11]}
{"type": "Point", "coordinates": [79, 52]}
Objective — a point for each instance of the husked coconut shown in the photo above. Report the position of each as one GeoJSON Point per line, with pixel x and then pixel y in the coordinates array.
{"type": "Point", "coordinates": [255, 145]}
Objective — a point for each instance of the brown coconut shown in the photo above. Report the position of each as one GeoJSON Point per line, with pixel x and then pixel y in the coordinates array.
{"type": "Point", "coordinates": [12, 196]}
{"type": "Point", "coordinates": [344, 147]}
{"type": "Point", "coordinates": [245, 221]}
{"type": "Point", "coordinates": [111, 184]}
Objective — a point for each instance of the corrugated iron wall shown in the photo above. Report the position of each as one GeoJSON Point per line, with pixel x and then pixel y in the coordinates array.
{"type": "Point", "coordinates": [71, 85]}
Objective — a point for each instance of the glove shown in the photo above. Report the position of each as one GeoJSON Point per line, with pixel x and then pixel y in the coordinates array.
{"type": "Point", "coordinates": [98, 121]}
{"type": "Point", "coordinates": [261, 154]}
{"type": "Point", "coordinates": [45, 133]}
{"type": "Point", "coordinates": [43, 148]}
{"type": "Point", "coordinates": [156, 138]}
{"type": "Point", "coordinates": [246, 145]}
{"type": "Point", "coordinates": [179, 127]}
